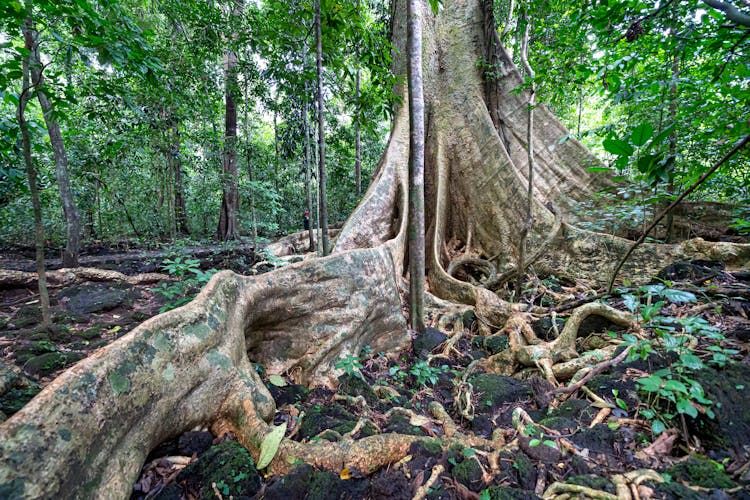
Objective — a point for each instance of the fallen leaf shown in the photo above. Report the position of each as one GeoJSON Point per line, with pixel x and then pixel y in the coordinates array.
{"type": "Point", "coordinates": [270, 445]}
{"type": "Point", "coordinates": [277, 380]}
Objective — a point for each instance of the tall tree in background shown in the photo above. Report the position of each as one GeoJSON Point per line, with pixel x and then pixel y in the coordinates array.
{"type": "Point", "coordinates": [31, 174]}
{"type": "Point", "coordinates": [230, 201]}
{"type": "Point", "coordinates": [323, 203]}
{"type": "Point", "coordinates": [415, 11]}
{"type": "Point", "coordinates": [72, 218]}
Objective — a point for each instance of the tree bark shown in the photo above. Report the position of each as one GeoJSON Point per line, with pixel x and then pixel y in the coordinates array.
{"type": "Point", "coordinates": [70, 211]}
{"type": "Point", "coordinates": [31, 175]}
{"type": "Point", "coordinates": [415, 11]}
{"type": "Point", "coordinates": [179, 186]}
{"type": "Point", "coordinates": [308, 178]}
{"type": "Point", "coordinates": [357, 142]}
{"type": "Point", "coordinates": [230, 203]}
{"type": "Point", "coordinates": [323, 200]}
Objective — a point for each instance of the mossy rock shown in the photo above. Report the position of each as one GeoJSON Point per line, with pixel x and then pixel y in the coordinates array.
{"type": "Point", "coordinates": [26, 352]}
{"type": "Point", "coordinates": [229, 465]}
{"type": "Point", "coordinates": [26, 317]}
{"type": "Point", "coordinates": [400, 424]}
{"type": "Point", "coordinates": [594, 482]}
{"type": "Point", "coordinates": [289, 394]}
{"type": "Point", "coordinates": [498, 389]}
{"type": "Point", "coordinates": [469, 473]}
{"type": "Point", "coordinates": [559, 423]}
{"type": "Point", "coordinates": [16, 389]}
{"type": "Point", "coordinates": [98, 297]}
{"type": "Point", "coordinates": [323, 485]}
{"type": "Point", "coordinates": [355, 385]}
{"type": "Point", "coordinates": [574, 409]}
{"type": "Point", "coordinates": [51, 361]}
{"type": "Point", "coordinates": [496, 343]}
{"type": "Point", "coordinates": [324, 418]}
{"type": "Point", "coordinates": [427, 341]}
{"type": "Point", "coordinates": [525, 471]}
{"type": "Point", "coordinates": [597, 439]}
{"type": "Point", "coordinates": [91, 332]}
{"type": "Point", "coordinates": [699, 471]}
{"type": "Point", "coordinates": [506, 493]}
{"type": "Point", "coordinates": [428, 447]}
{"type": "Point", "coordinates": [390, 484]}
{"type": "Point", "coordinates": [292, 485]}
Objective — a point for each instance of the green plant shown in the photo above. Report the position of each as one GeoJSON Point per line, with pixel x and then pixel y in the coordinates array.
{"type": "Point", "coordinates": [424, 373]}
{"type": "Point", "coordinates": [190, 279]}
{"type": "Point", "coordinates": [350, 364]}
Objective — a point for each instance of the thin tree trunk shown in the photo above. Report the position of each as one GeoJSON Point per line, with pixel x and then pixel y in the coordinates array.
{"type": "Point", "coordinates": [230, 205]}
{"type": "Point", "coordinates": [416, 166]}
{"type": "Point", "coordinates": [357, 145]}
{"type": "Point", "coordinates": [307, 166]}
{"type": "Point", "coordinates": [672, 138]}
{"type": "Point", "coordinates": [530, 154]}
{"type": "Point", "coordinates": [70, 211]}
{"type": "Point", "coordinates": [323, 204]}
{"type": "Point", "coordinates": [30, 41]}
{"type": "Point", "coordinates": [179, 187]}
{"type": "Point", "coordinates": [249, 167]}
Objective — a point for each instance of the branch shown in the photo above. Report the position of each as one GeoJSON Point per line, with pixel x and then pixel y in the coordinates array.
{"type": "Point", "coordinates": [732, 12]}
{"type": "Point", "coordinates": [664, 212]}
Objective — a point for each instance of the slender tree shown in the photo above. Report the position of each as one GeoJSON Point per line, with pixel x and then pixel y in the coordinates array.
{"type": "Point", "coordinates": [230, 203]}
{"type": "Point", "coordinates": [416, 165]}
{"type": "Point", "coordinates": [323, 204]}
{"type": "Point", "coordinates": [29, 39]}
{"type": "Point", "coordinates": [70, 211]}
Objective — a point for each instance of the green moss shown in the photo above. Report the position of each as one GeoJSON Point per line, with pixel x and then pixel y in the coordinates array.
{"type": "Point", "coordinates": [323, 484]}
{"type": "Point", "coordinates": [353, 385]}
{"type": "Point", "coordinates": [699, 471]}
{"type": "Point", "coordinates": [120, 383]}
{"type": "Point", "coordinates": [496, 343]}
{"type": "Point", "coordinates": [558, 423]}
{"type": "Point", "coordinates": [51, 361]}
{"type": "Point", "coordinates": [91, 332]}
{"type": "Point", "coordinates": [469, 473]}
{"type": "Point", "coordinates": [594, 482]}
{"type": "Point", "coordinates": [507, 493]}
{"type": "Point", "coordinates": [216, 358]}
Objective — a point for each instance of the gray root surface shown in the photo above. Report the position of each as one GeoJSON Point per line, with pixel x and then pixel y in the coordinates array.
{"type": "Point", "coordinates": [88, 433]}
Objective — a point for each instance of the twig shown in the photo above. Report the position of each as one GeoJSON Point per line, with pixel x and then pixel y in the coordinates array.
{"type": "Point", "coordinates": [425, 488]}
{"type": "Point", "coordinates": [664, 212]}
{"type": "Point", "coordinates": [594, 371]}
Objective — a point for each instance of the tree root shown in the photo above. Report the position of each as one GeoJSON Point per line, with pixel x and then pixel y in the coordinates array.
{"type": "Point", "coordinates": [625, 485]}
{"type": "Point", "coordinates": [63, 277]}
{"type": "Point", "coordinates": [559, 358]}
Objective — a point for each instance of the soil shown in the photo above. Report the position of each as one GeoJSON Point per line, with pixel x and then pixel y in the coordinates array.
{"type": "Point", "coordinates": [568, 442]}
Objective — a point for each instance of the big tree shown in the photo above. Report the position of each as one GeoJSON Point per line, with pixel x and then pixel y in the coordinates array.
{"type": "Point", "coordinates": [94, 426]}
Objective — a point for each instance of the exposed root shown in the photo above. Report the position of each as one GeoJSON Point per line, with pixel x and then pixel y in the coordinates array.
{"type": "Point", "coordinates": [422, 491]}
{"type": "Point", "coordinates": [625, 484]}
{"type": "Point", "coordinates": [64, 277]}
{"type": "Point", "coordinates": [467, 269]}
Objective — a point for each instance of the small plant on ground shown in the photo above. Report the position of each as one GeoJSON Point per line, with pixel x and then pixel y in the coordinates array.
{"type": "Point", "coordinates": [351, 365]}
{"type": "Point", "coordinates": [190, 279]}
{"type": "Point", "coordinates": [425, 374]}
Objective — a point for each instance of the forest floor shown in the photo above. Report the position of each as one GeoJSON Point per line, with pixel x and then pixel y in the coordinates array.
{"type": "Point", "coordinates": [679, 405]}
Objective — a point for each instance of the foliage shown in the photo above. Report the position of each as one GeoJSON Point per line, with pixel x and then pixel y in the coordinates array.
{"type": "Point", "coordinates": [190, 279]}
{"type": "Point", "coordinates": [351, 365]}
{"type": "Point", "coordinates": [425, 374]}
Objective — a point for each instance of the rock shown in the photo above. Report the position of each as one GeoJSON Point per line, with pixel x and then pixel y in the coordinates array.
{"type": "Point", "coordinates": [16, 389]}
{"type": "Point", "coordinates": [96, 297]}
{"type": "Point", "coordinates": [469, 473]}
{"type": "Point", "coordinates": [390, 485]}
{"type": "Point", "coordinates": [496, 343]}
{"type": "Point", "coordinates": [229, 465]}
{"type": "Point", "coordinates": [597, 439]}
{"type": "Point", "coordinates": [289, 394]}
{"type": "Point", "coordinates": [355, 385]}
{"type": "Point", "coordinates": [399, 423]}
{"type": "Point", "coordinates": [194, 442]}
{"type": "Point", "coordinates": [292, 485]}
{"type": "Point", "coordinates": [494, 390]}
{"type": "Point", "coordinates": [427, 341]}
{"type": "Point", "coordinates": [690, 271]}
{"type": "Point", "coordinates": [699, 471]}
{"type": "Point", "coordinates": [331, 418]}
{"type": "Point", "coordinates": [51, 361]}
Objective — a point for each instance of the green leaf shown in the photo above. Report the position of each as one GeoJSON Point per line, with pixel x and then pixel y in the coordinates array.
{"type": "Point", "coordinates": [270, 445]}
{"type": "Point", "coordinates": [686, 407]}
{"type": "Point", "coordinates": [277, 380]}
{"type": "Point", "coordinates": [435, 5]}
{"type": "Point", "coordinates": [652, 383]}
{"type": "Point", "coordinates": [641, 134]}
{"type": "Point", "coordinates": [618, 147]}
{"type": "Point", "coordinates": [675, 386]}
{"type": "Point", "coordinates": [631, 302]}
{"type": "Point", "coordinates": [663, 135]}
{"type": "Point", "coordinates": [679, 296]}
{"type": "Point", "coordinates": [657, 427]}
{"type": "Point", "coordinates": [691, 361]}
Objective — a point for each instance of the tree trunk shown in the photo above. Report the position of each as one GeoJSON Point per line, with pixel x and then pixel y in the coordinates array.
{"type": "Point", "coordinates": [230, 203]}
{"type": "Point", "coordinates": [88, 432]}
{"type": "Point", "coordinates": [357, 142]}
{"type": "Point", "coordinates": [23, 100]}
{"type": "Point", "coordinates": [70, 211]}
{"type": "Point", "coordinates": [323, 201]}
{"type": "Point", "coordinates": [415, 12]}
{"type": "Point", "coordinates": [179, 186]}
{"type": "Point", "coordinates": [249, 168]}
{"type": "Point", "coordinates": [308, 166]}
